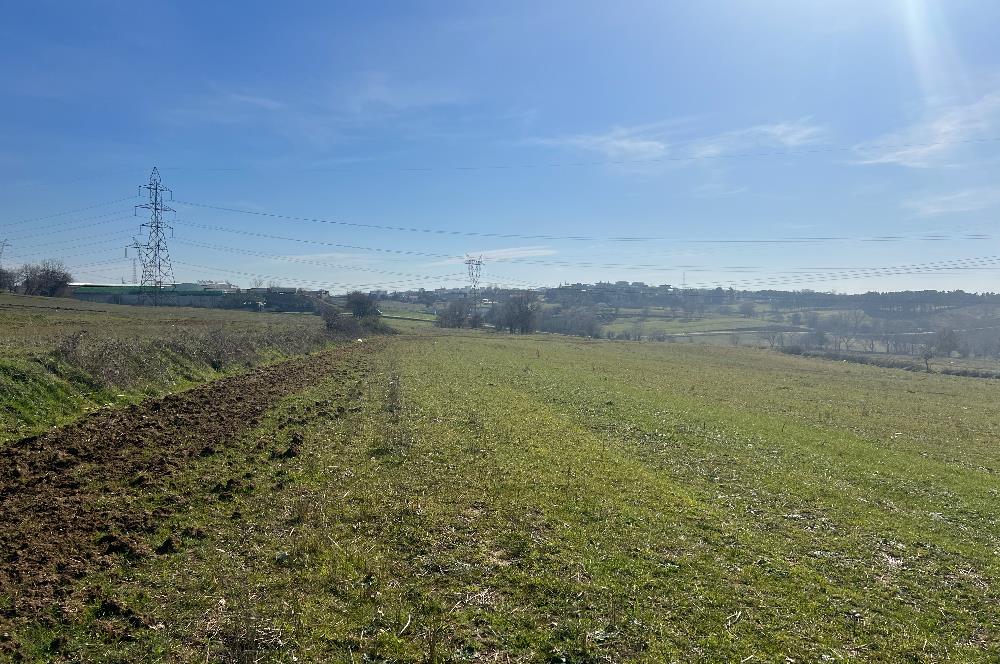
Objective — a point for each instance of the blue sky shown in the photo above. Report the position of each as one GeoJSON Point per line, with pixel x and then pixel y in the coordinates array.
{"type": "Point", "coordinates": [712, 129]}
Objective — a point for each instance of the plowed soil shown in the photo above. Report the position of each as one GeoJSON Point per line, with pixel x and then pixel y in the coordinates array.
{"type": "Point", "coordinates": [65, 496]}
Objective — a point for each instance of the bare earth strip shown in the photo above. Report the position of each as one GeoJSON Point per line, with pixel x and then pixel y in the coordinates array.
{"type": "Point", "coordinates": [66, 496]}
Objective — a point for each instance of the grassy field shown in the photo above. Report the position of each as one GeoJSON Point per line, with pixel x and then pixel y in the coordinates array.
{"type": "Point", "coordinates": [60, 357]}
{"type": "Point", "coordinates": [408, 313]}
{"type": "Point", "coordinates": [407, 310]}
{"type": "Point", "coordinates": [685, 326]}
{"type": "Point", "coordinates": [484, 498]}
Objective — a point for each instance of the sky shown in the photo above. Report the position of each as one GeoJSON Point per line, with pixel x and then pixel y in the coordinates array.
{"type": "Point", "coordinates": [846, 145]}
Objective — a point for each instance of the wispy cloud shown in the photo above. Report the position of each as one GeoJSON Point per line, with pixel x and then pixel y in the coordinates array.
{"type": "Point", "coordinates": [617, 144]}
{"type": "Point", "coordinates": [226, 108]}
{"type": "Point", "coordinates": [377, 91]}
{"type": "Point", "coordinates": [937, 139]}
{"type": "Point", "coordinates": [500, 255]}
{"type": "Point", "coordinates": [968, 200]}
{"type": "Point", "coordinates": [664, 140]}
{"type": "Point", "coordinates": [515, 252]}
{"type": "Point", "coordinates": [635, 143]}
{"type": "Point", "coordinates": [790, 134]}
{"type": "Point", "coordinates": [327, 256]}
{"type": "Point", "coordinates": [372, 101]}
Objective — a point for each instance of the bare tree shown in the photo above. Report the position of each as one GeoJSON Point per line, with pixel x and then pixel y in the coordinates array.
{"type": "Point", "coordinates": [518, 312]}
{"type": "Point", "coordinates": [945, 342]}
{"type": "Point", "coordinates": [48, 278]}
{"type": "Point", "coordinates": [456, 314]}
{"type": "Point", "coordinates": [772, 337]}
{"type": "Point", "coordinates": [8, 279]}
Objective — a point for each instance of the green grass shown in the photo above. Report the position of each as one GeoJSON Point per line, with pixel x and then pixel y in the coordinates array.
{"type": "Point", "coordinates": [408, 313]}
{"type": "Point", "coordinates": [685, 326]}
{"type": "Point", "coordinates": [124, 354]}
{"type": "Point", "coordinates": [492, 498]}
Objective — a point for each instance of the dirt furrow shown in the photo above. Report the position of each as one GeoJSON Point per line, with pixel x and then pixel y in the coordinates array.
{"type": "Point", "coordinates": [66, 496]}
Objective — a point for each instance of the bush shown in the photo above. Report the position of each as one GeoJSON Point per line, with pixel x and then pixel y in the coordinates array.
{"type": "Point", "coordinates": [361, 304]}
{"type": "Point", "coordinates": [340, 324]}
{"type": "Point", "coordinates": [376, 325]}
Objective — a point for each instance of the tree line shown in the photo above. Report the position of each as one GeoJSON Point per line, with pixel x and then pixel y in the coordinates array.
{"type": "Point", "coordinates": [47, 278]}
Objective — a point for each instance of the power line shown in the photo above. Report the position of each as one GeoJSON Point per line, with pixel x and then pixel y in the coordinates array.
{"type": "Point", "coordinates": [91, 225]}
{"type": "Point", "coordinates": [313, 282]}
{"type": "Point", "coordinates": [268, 236]}
{"type": "Point", "coordinates": [381, 227]}
{"type": "Point", "coordinates": [937, 267]}
{"type": "Point", "coordinates": [74, 211]}
{"type": "Point", "coordinates": [589, 238]}
{"type": "Point", "coordinates": [657, 267]}
{"type": "Point", "coordinates": [76, 243]}
{"type": "Point", "coordinates": [292, 259]}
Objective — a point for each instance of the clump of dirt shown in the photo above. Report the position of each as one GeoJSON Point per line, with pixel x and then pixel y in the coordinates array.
{"type": "Point", "coordinates": [67, 498]}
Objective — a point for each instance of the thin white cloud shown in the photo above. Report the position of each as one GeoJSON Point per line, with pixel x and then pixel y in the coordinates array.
{"type": "Point", "coordinates": [377, 91]}
{"type": "Point", "coordinates": [789, 134]}
{"type": "Point", "coordinates": [501, 255]}
{"type": "Point", "coordinates": [636, 143]}
{"type": "Point", "coordinates": [514, 252]}
{"type": "Point", "coordinates": [226, 108]}
{"type": "Point", "coordinates": [327, 256]}
{"type": "Point", "coordinates": [938, 138]}
{"type": "Point", "coordinates": [617, 144]}
{"type": "Point", "coordinates": [374, 101]}
{"type": "Point", "coordinates": [656, 140]}
{"type": "Point", "coordinates": [719, 189]}
{"type": "Point", "coordinates": [968, 200]}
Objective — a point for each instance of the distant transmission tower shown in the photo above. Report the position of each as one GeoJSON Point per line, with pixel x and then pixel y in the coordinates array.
{"type": "Point", "coordinates": [475, 266]}
{"type": "Point", "coordinates": [136, 247]}
{"type": "Point", "coordinates": [157, 271]}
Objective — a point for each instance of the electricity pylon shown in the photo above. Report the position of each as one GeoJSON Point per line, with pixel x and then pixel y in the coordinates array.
{"type": "Point", "coordinates": [157, 271]}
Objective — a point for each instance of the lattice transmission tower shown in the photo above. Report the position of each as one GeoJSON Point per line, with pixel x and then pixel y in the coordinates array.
{"type": "Point", "coordinates": [136, 257]}
{"type": "Point", "coordinates": [157, 272]}
{"type": "Point", "coordinates": [475, 267]}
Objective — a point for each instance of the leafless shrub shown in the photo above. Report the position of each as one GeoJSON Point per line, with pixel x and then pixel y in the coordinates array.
{"type": "Point", "coordinates": [341, 324]}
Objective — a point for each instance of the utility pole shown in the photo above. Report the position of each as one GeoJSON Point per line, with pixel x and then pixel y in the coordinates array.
{"type": "Point", "coordinates": [157, 271]}
{"type": "Point", "coordinates": [475, 267]}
